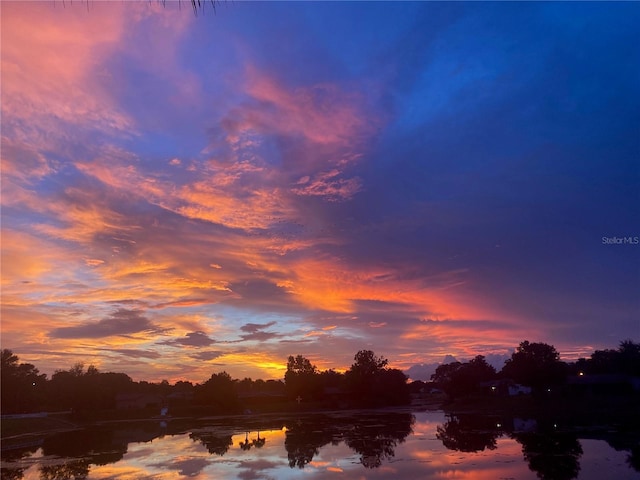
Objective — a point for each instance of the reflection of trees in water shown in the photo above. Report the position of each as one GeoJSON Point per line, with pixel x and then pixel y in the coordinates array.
{"type": "Point", "coordinates": [374, 437]}
{"type": "Point", "coordinates": [552, 455]}
{"type": "Point", "coordinates": [256, 442]}
{"type": "Point", "coordinates": [11, 473]}
{"type": "Point", "coordinates": [15, 455]}
{"type": "Point", "coordinates": [627, 442]}
{"type": "Point", "coordinates": [468, 433]}
{"type": "Point", "coordinates": [376, 441]}
{"type": "Point", "coordinates": [634, 458]}
{"type": "Point", "coordinates": [73, 470]}
{"type": "Point", "coordinates": [215, 444]}
{"type": "Point", "coordinates": [97, 446]}
{"type": "Point", "coordinates": [304, 439]}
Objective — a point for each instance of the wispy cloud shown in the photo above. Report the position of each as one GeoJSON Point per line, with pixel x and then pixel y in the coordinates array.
{"type": "Point", "coordinates": [135, 353]}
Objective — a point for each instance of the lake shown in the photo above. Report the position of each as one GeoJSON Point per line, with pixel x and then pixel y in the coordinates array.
{"type": "Point", "coordinates": [347, 445]}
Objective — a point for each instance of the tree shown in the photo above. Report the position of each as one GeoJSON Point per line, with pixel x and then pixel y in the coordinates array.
{"type": "Point", "coordinates": [626, 359]}
{"type": "Point", "coordinates": [21, 385]}
{"type": "Point", "coordinates": [458, 379]}
{"type": "Point", "coordinates": [444, 373]}
{"type": "Point", "coordinates": [371, 383]}
{"type": "Point", "coordinates": [301, 379]}
{"type": "Point", "coordinates": [219, 391]}
{"type": "Point", "coordinates": [367, 364]}
{"type": "Point", "coordinates": [535, 364]}
{"type": "Point", "coordinates": [88, 390]}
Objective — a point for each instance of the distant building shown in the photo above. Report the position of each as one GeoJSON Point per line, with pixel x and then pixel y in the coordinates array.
{"type": "Point", "coordinates": [505, 387]}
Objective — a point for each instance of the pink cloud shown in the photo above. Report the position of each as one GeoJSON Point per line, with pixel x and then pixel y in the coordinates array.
{"type": "Point", "coordinates": [50, 59]}
{"type": "Point", "coordinates": [329, 186]}
{"type": "Point", "coordinates": [321, 114]}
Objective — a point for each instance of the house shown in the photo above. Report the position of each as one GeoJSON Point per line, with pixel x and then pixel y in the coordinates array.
{"type": "Point", "coordinates": [505, 387]}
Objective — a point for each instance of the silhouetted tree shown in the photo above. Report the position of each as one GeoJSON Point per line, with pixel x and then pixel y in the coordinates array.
{"type": "Point", "coordinates": [301, 378]}
{"type": "Point", "coordinates": [82, 390]}
{"type": "Point", "coordinates": [218, 391]}
{"type": "Point", "coordinates": [371, 383]}
{"type": "Point", "coordinates": [367, 364]}
{"type": "Point", "coordinates": [535, 364]}
{"type": "Point", "coordinates": [625, 359]}
{"type": "Point", "coordinates": [22, 387]}
{"type": "Point", "coordinates": [361, 377]}
{"type": "Point", "coordinates": [458, 379]}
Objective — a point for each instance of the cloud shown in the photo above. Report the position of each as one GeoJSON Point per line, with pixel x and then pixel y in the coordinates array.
{"type": "Point", "coordinates": [322, 114]}
{"type": "Point", "coordinates": [329, 186]}
{"type": "Point", "coordinates": [34, 39]}
{"type": "Point", "coordinates": [122, 322]}
{"type": "Point", "coordinates": [208, 355]}
{"type": "Point", "coordinates": [134, 353]}
{"type": "Point", "coordinates": [254, 327]}
{"type": "Point", "coordinates": [256, 333]}
{"type": "Point", "coordinates": [422, 371]}
{"type": "Point", "coordinates": [191, 339]}
{"type": "Point", "coordinates": [190, 467]}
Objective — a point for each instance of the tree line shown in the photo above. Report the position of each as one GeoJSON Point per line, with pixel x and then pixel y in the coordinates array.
{"type": "Point", "coordinates": [538, 367]}
{"type": "Point", "coordinates": [369, 382]}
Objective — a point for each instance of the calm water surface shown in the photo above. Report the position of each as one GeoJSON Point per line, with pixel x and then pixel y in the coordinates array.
{"type": "Point", "coordinates": [368, 445]}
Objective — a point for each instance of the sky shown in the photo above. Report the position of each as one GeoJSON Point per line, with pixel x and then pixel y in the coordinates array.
{"type": "Point", "coordinates": [185, 194]}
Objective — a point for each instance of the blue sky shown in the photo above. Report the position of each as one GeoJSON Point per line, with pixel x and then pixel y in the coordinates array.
{"type": "Point", "coordinates": [185, 194]}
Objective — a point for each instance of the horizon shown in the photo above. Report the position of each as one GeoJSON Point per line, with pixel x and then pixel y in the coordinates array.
{"type": "Point", "coordinates": [421, 372]}
{"type": "Point", "coordinates": [184, 195]}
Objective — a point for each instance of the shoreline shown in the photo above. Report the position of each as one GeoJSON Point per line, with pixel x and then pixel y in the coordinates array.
{"type": "Point", "coordinates": [30, 430]}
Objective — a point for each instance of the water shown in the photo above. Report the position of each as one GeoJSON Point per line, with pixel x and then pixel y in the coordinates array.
{"type": "Point", "coordinates": [364, 445]}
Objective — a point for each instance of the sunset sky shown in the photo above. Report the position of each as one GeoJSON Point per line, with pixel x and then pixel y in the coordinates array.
{"type": "Point", "coordinates": [185, 194]}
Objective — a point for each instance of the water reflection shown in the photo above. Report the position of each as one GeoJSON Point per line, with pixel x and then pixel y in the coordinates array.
{"type": "Point", "coordinates": [469, 433]}
{"type": "Point", "coordinates": [377, 441]}
{"type": "Point", "coordinates": [374, 437]}
{"type": "Point", "coordinates": [367, 445]}
{"type": "Point", "coordinates": [216, 444]}
{"type": "Point", "coordinates": [304, 439]}
{"type": "Point", "coordinates": [550, 454]}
